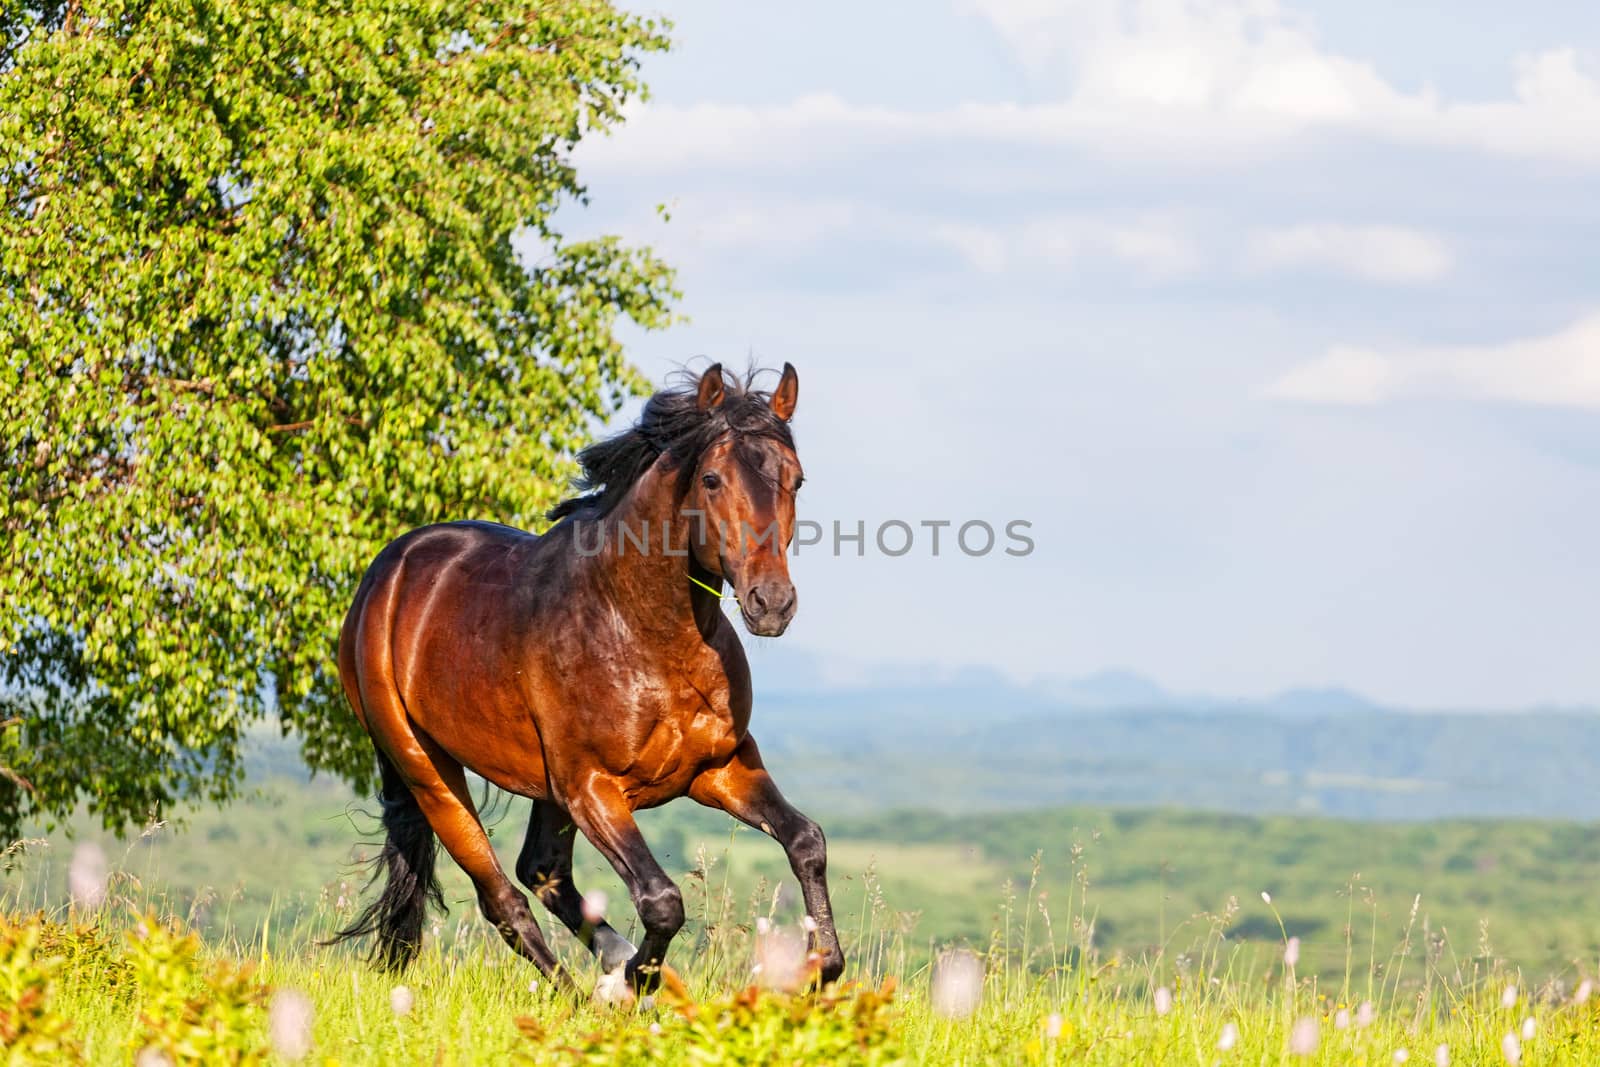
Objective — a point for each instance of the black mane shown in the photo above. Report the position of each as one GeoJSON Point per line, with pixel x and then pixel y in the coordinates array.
{"type": "Point", "coordinates": [671, 423]}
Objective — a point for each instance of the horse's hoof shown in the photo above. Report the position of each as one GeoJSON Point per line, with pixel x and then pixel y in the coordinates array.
{"type": "Point", "coordinates": [646, 979]}
{"type": "Point", "coordinates": [831, 968]}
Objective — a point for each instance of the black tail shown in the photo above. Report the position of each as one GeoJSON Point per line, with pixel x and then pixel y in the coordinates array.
{"type": "Point", "coordinates": [408, 854]}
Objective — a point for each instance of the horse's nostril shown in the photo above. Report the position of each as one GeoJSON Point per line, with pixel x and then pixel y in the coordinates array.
{"type": "Point", "coordinates": [758, 602]}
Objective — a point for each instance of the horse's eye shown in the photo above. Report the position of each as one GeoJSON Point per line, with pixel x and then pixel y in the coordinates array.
{"type": "Point", "coordinates": [711, 480]}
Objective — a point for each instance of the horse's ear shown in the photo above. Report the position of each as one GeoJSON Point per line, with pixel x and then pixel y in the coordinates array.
{"type": "Point", "coordinates": [787, 392]}
{"type": "Point", "coordinates": [711, 388]}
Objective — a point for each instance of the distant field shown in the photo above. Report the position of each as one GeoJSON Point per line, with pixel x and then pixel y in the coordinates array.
{"type": "Point", "coordinates": [1515, 891]}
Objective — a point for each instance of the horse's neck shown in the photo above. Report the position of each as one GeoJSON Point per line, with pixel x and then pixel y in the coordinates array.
{"type": "Point", "coordinates": [646, 560]}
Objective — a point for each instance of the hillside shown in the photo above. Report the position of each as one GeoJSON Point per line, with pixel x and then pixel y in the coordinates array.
{"type": "Point", "coordinates": [937, 792]}
{"type": "Point", "coordinates": [1519, 890]}
{"type": "Point", "coordinates": [971, 741]}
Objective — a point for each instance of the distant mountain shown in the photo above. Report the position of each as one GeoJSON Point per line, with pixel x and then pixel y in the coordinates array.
{"type": "Point", "coordinates": [841, 737]}
{"type": "Point", "coordinates": [1330, 700]}
{"type": "Point", "coordinates": [965, 740]}
{"type": "Point", "coordinates": [1109, 689]}
{"type": "Point", "coordinates": [933, 692]}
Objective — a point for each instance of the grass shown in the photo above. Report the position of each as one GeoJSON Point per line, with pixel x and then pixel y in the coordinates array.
{"type": "Point", "coordinates": [1079, 918]}
{"type": "Point", "coordinates": [467, 1003]}
{"type": "Point", "coordinates": [1049, 992]}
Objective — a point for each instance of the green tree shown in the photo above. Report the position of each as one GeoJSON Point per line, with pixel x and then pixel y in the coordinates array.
{"type": "Point", "coordinates": [260, 312]}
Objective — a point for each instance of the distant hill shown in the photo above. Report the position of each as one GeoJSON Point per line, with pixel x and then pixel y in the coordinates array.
{"type": "Point", "coordinates": [1108, 689]}
{"type": "Point", "coordinates": [974, 741]}
{"type": "Point", "coordinates": [842, 738]}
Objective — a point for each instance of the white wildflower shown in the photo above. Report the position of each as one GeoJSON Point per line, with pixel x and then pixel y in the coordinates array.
{"type": "Point", "coordinates": [1366, 1014]}
{"type": "Point", "coordinates": [1584, 991]}
{"type": "Point", "coordinates": [780, 962]}
{"type": "Point", "coordinates": [1529, 1028]}
{"type": "Point", "coordinates": [1052, 1026]}
{"type": "Point", "coordinates": [1511, 1049]}
{"type": "Point", "coordinates": [1508, 998]}
{"type": "Point", "coordinates": [1341, 1019]}
{"type": "Point", "coordinates": [1291, 952]}
{"type": "Point", "coordinates": [594, 907]}
{"type": "Point", "coordinates": [401, 1000]}
{"type": "Point", "coordinates": [1303, 1038]}
{"type": "Point", "coordinates": [1401, 1055]}
{"type": "Point", "coordinates": [1163, 1000]}
{"type": "Point", "coordinates": [1441, 1056]}
{"type": "Point", "coordinates": [957, 984]}
{"type": "Point", "coordinates": [86, 877]}
{"type": "Point", "coordinates": [289, 1023]}
{"type": "Point", "coordinates": [612, 990]}
{"type": "Point", "coordinates": [1228, 1038]}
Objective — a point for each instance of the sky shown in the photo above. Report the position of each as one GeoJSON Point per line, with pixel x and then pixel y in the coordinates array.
{"type": "Point", "coordinates": [1278, 322]}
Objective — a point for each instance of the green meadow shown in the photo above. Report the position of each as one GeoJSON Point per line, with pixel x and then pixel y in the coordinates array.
{"type": "Point", "coordinates": [1103, 936]}
{"type": "Point", "coordinates": [1149, 881]}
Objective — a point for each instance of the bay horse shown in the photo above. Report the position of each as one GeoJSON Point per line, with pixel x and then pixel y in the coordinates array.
{"type": "Point", "coordinates": [591, 669]}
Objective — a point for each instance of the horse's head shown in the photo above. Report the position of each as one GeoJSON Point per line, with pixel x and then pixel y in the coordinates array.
{"type": "Point", "coordinates": [740, 497]}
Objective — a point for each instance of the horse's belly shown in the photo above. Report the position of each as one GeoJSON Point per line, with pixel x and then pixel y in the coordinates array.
{"type": "Point", "coordinates": [503, 748]}
{"type": "Point", "coordinates": [475, 707]}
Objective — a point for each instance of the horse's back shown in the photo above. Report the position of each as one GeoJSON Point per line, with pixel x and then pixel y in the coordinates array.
{"type": "Point", "coordinates": [428, 548]}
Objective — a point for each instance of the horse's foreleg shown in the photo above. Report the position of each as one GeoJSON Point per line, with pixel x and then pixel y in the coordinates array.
{"type": "Point", "coordinates": [603, 814]}
{"type": "Point", "coordinates": [545, 866]}
{"type": "Point", "coordinates": [743, 788]}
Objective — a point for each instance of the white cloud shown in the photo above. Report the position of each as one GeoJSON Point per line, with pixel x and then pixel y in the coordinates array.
{"type": "Point", "coordinates": [1391, 254]}
{"type": "Point", "coordinates": [1155, 247]}
{"type": "Point", "coordinates": [1558, 370]}
{"type": "Point", "coordinates": [785, 223]}
{"type": "Point", "coordinates": [985, 248]}
{"type": "Point", "coordinates": [705, 134]}
{"type": "Point", "coordinates": [1206, 81]}
{"type": "Point", "coordinates": [1342, 376]}
{"type": "Point", "coordinates": [1553, 113]}
{"type": "Point", "coordinates": [1160, 253]}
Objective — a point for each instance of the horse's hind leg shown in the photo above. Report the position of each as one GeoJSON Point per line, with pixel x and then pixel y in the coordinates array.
{"type": "Point", "coordinates": [545, 866]}
{"type": "Point", "coordinates": [440, 786]}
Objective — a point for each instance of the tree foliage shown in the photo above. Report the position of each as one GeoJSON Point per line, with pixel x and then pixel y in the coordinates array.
{"type": "Point", "coordinates": [260, 312]}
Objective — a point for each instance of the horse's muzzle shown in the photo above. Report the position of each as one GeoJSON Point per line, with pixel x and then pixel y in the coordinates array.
{"type": "Point", "coordinates": [768, 606]}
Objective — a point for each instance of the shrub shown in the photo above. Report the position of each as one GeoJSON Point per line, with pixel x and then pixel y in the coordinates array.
{"type": "Point", "coordinates": [752, 1026]}
{"type": "Point", "coordinates": [31, 1031]}
{"type": "Point", "coordinates": [193, 1011]}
